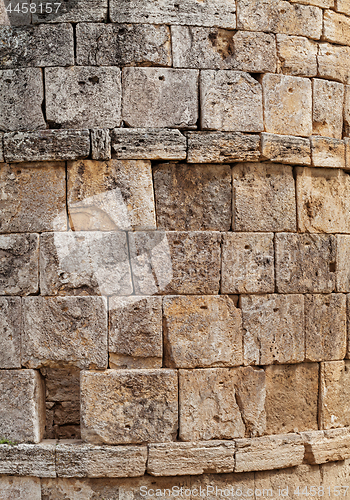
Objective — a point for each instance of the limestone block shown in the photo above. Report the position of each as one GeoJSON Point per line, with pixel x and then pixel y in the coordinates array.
{"type": "Point", "coordinates": [336, 28]}
{"type": "Point", "coordinates": [148, 144]}
{"type": "Point", "coordinates": [83, 97]}
{"type": "Point", "coordinates": [264, 197]}
{"type": "Point", "coordinates": [334, 62]}
{"type": "Point", "coordinates": [75, 11]}
{"type": "Point", "coordinates": [291, 398]}
{"type": "Point", "coordinates": [193, 197]}
{"type": "Point", "coordinates": [297, 55]}
{"type": "Point", "coordinates": [222, 147]}
{"type": "Point", "coordinates": [22, 406]}
{"type": "Point", "coordinates": [342, 6]}
{"type": "Point", "coordinates": [289, 481]}
{"type": "Point", "coordinates": [62, 384]}
{"type": "Point", "coordinates": [326, 446]}
{"type": "Point", "coordinates": [20, 488]}
{"type": "Point", "coordinates": [334, 394]}
{"type": "Point", "coordinates": [202, 331]}
{"type": "Point", "coordinates": [347, 152]}
{"type": "Point", "coordinates": [19, 265]}
{"type": "Point", "coordinates": [347, 111]}
{"type": "Point", "coordinates": [169, 97]}
{"type": "Point", "coordinates": [336, 474]}
{"type": "Point", "coordinates": [230, 101]}
{"type": "Point", "coordinates": [177, 459]}
{"type": "Point", "coordinates": [135, 332]}
{"type": "Point", "coordinates": [175, 262]}
{"type": "Point", "coordinates": [342, 268]}
{"type": "Point", "coordinates": [123, 45]}
{"type": "Point", "coordinates": [247, 263]}
{"type": "Point", "coordinates": [286, 149]}
{"type": "Point", "coordinates": [326, 152]}
{"type": "Point", "coordinates": [305, 263]}
{"type": "Point", "coordinates": [328, 99]}
{"type": "Point", "coordinates": [287, 105]}
{"type": "Point", "coordinates": [11, 331]}
{"type": "Point", "coordinates": [208, 403]}
{"type": "Point", "coordinates": [129, 406]}
{"type": "Point", "coordinates": [100, 144]}
{"type": "Point", "coordinates": [33, 197]}
{"type": "Point", "coordinates": [21, 97]}
{"type": "Point", "coordinates": [36, 460]}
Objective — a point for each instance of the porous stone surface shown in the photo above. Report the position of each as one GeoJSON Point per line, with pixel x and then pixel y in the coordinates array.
{"type": "Point", "coordinates": [62, 384]}
{"type": "Point", "coordinates": [327, 152]}
{"type": "Point", "coordinates": [34, 460]}
{"type": "Point", "coordinates": [326, 446]}
{"type": "Point", "coordinates": [347, 111]}
{"type": "Point", "coordinates": [100, 144]}
{"type": "Point", "coordinates": [297, 55]}
{"type": "Point", "coordinates": [11, 331]}
{"type": "Point", "coordinates": [343, 6]}
{"type": "Point", "coordinates": [289, 481]}
{"type": "Point", "coordinates": [336, 28]}
{"type": "Point", "coordinates": [75, 11]}
{"type": "Point", "coordinates": [334, 394]}
{"type": "Point", "coordinates": [333, 62]}
{"type": "Point", "coordinates": [20, 488]}
{"type": "Point", "coordinates": [327, 115]}
{"type": "Point", "coordinates": [342, 270]}
{"type": "Point", "coordinates": [286, 149]}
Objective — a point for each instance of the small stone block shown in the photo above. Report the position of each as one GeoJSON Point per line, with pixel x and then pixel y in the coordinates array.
{"type": "Point", "coordinates": [334, 394]}
{"type": "Point", "coordinates": [327, 152]}
{"type": "Point", "coordinates": [100, 144]}
{"type": "Point", "coordinates": [334, 62]}
{"type": "Point", "coordinates": [336, 28]}
{"type": "Point", "coordinates": [328, 103]}
{"type": "Point", "coordinates": [74, 11]}
{"type": "Point", "coordinates": [297, 55]}
{"type": "Point", "coordinates": [286, 149]}
{"type": "Point", "coordinates": [35, 460]}
{"type": "Point", "coordinates": [326, 446]}
{"type": "Point", "coordinates": [11, 331]}
{"type": "Point", "coordinates": [222, 147]}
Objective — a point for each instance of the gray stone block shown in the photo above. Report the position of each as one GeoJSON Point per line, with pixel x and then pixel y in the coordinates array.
{"type": "Point", "coordinates": [35, 460]}
{"type": "Point", "coordinates": [100, 144]}
{"type": "Point", "coordinates": [11, 331]}
{"type": "Point", "coordinates": [74, 11]}
{"type": "Point", "coordinates": [20, 488]}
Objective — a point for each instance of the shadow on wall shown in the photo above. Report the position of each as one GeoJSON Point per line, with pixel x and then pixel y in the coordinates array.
{"type": "Point", "coordinates": [22, 13]}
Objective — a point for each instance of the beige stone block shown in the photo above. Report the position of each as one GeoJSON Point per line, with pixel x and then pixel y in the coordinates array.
{"type": "Point", "coordinates": [327, 115]}
{"type": "Point", "coordinates": [247, 263]}
{"type": "Point", "coordinates": [297, 55]}
{"type": "Point", "coordinates": [336, 28]}
{"type": "Point", "coordinates": [135, 332]}
{"type": "Point", "coordinates": [347, 111]}
{"type": "Point", "coordinates": [230, 101]}
{"type": "Point", "coordinates": [326, 446]}
{"type": "Point", "coordinates": [342, 267]}
{"type": "Point", "coordinates": [291, 398]}
{"type": "Point", "coordinates": [334, 394]}
{"type": "Point", "coordinates": [11, 331]}
{"type": "Point", "coordinates": [347, 152]}
{"type": "Point", "coordinates": [325, 4]}
{"type": "Point", "coordinates": [287, 105]}
{"type": "Point", "coordinates": [288, 482]}
{"type": "Point", "coordinates": [305, 263]}
{"type": "Point", "coordinates": [286, 149]}
{"type": "Point", "coordinates": [229, 484]}
{"type": "Point", "coordinates": [263, 197]}
{"type": "Point", "coordinates": [343, 6]}
{"type": "Point", "coordinates": [334, 62]}
{"type": "Point", "coordinates": [336, 477]}
{"type": "Point", "coordinates": [202, 331]}
{"type": "Point", "coordinates": [20, 488]}
{"type": "Point", "coordinates": [35, 460]}
{"type": "Point", "coordinates": [129, 406]}
{"type": "Point", "coordinates": [208, 403]}
{"type": "Point", "coordinates": [326, 152]}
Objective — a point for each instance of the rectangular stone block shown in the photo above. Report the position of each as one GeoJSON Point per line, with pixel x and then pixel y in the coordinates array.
{"type": "Point", "coordinates": [20, 488]}
{"type": "Point", "coordinates": [100, 144]}
{"type": "Point", "coordinates": [74, 11]}
{"type": "Point", "coordinates": [11, 331]}
{"type": "Point", "coordinates": [326, 152]}
{"type": "Point", "coordinates": [334, 62]}
{"type": "Point", "coordinates": [286, 149]}
{"type": "Point", "coordinates": [305, 263]}
{"type": "Point", "coordinates": [297, 55]}
{"type": "Point", "coordinates": [342, 268]}
{"type": "Point", "coordinates": [325, 4]}
{"type": "Point", "coordinates": [68, 331]}
{"type": "Point", "coordinates": [35, 460]}
{"type": "Point", "coordinates": [342, 6]}
{"type": "Point", "coordinates": [142, 406]}
{"type": "Point", "coordinates": [247, 263]}
{"type": "Point", "coordinates": [347, 152]}
{"type": "Point", "coordinates": [62, 384]}
{"type": "Point", "coordinates": [326, 446]}
{"type": "Point", "coordinates": [347, 111]}
{"type": "Point", "coordinates": [290, 481]}
{"type": "Point", "coordinates": [22, 406]}
{"type": "Point", "coordinates": [135, 332]}
{"type": "Point", "coordinates": [328, 101]}
{"type": "Point", "coordinates": [334, 394]}
{"type": "Point", "coordinates": [230, 101]}
{"type": "Point", "coordinates": [169, 97]}
{"type": "Point", "coordinates": [336, 28]}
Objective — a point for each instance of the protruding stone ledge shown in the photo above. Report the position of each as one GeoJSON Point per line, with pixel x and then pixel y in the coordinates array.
{"type": "Point", "coordinates": [37, 460]}
{"type": "Point", "coordinates": [326, 446]}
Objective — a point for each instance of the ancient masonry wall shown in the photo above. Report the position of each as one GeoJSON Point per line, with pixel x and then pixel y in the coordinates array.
{"type": "Point", "coordinates": [175, 249]}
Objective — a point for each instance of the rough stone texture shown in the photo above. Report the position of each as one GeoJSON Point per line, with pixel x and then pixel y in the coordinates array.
{"type": "Point", "coordinates": [222, 147]}
{"type": "Point", "coordinates": [273, 329]}
{"type": "Point", "coordinates": [334, 62]}
{"type": "Point", "coordinates": [209, 408]}
{"type": "Point", "coordinates": [175, 262]}
{"type": "Point", "coordinates": [169, 97]}
{"type": "Point", "coordinates": [342, 270]}
{"type": "Point", "coordinates": [202, 331]}
{"type": "Point", "coordinates": [247, 263]}
{"type": "Point", "coordinates": [328, 100]}
{"type": "Point", "coordinates": [326, 4]}
{"type": "Point", "coordinates": [135, 332]}
{"type": "Point", "coordinates": [305, 263]}
{"type": "Point", "coordinates": [1, 147]}
{"type": "Point", "coordinates": [123, 45]}
{"type": "Point", "coordinates": [22, 406]}
{"type": "Point", "coordinates": [62, 384]}
{"type": "Point", "coordinates": [326, 446]}
{"type": "Point", "coordinates": [228, 484]}
{"type": "Point", "coordinates": [129, 406]}
{"type": "Point", "coordinates": [289, 481]}
{"type": "Point", "coordinates": [230, 101]}
{"type": "Point", "coordinates": [65, 331]}
{"type": "Point", "coordinates": [334, 394]}
{"type": "Point", "coordinates": [83, 97]}
{"type": "Point", "coordinates": [287, 104]}
{"type": "Point", "coordinates": [297, 55]}
{"type": "Point", "coordinates": [85, 263]}
{"type": "Point", "coordinates": [326, 152]}
{"type": "Point", "coordinates": [76, 11]}
{"type": "Point", "coordinates": [336, 28]}
{"type": "Point", "coordinates": [347, 111]}
{"type": "Point", "coordinates": [264, 197]}
{"type": "Point", "coordinates": [19, 265]}
{"type": "Point", "coordinates": [21, 97]}
{"type": "Point", "coordinates": [4, 20]}
{"type": "Point", "coordinates": [100, 144]}
{"type": "Point", "coordinates": [343, 6]}
{"type": "Point", "coordinates": [36, 460]}
{"type": "Point", "coordinates": [286, 149]}
{"type": "Point", "coordinates": [193, 198]}
{"type": "Point", "coordinates": [291, 398]}
{"type": "Point", "coordinates": [11, 331]}
{"type": "Point", "coordinates": [347, 152]}
{"type": "Point", "coordinates": [20, 488]}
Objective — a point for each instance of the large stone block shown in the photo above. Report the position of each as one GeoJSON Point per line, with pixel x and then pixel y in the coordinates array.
{"type": "Point", "coordinates": [11, 331]}
{"type": "Point", "coordinates": [297, 55]}
{"type": "Point", "coordinates": [129, 406]}
{"type": "Point", "coordinates": [334, 394]}
{"type": "Point", "coordinates": [326, 446]}
{"type": "Point", "coordinates": [230, 101]}
{"type": "Point", "coordinates": [264, 197]}
{"type": "Point", "coordinates": [35, 460]}
{"type": "Point", "coordinates": [286, 149]}
{"type": "Point", "coordinates": [334, 62]}
{"type": "Point", "coordinates": [327, 152]}
{"type": "Point", "coordinates": [20, 488]}
{"type": "Point", "coordinates": [74, 11]}
{"type": "Point", "coordinates": [336, 28]}
{"type": "Point", "coordinates": [328, 101]}
{"type": "Point", "coordinates": [289, 481]}
{"type": "Point", "coordinates": [169, 97]}
{"type": "Point", "coordinates": [65, 331]}
{"type": "Point", "coordinates": [193, 197]}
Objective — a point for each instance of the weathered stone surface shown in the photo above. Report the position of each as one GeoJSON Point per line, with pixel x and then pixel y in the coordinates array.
{"type": "Point", "coordinates": [213, 484]}
{"type": "Point", "coordinates": [148, 144]}
{"type": "Point", "coordinates": [305, 263]}
{"type": "Point", "coordinates": [343, 6]}
{"type": "Point", "coordinates": [297, 55]}
{"type": "Point", "coordinates": [62, 384]}
{"type": "Point", "coordinates": [222, 147]}
{"type": "Point", "coordinates": [65, 331]}
{"type": "Point", "coordinates": [169, 97]}
{"type": "Point", "coordinates": [202, 331]}
{"type": "Point", "coordinates": [269, 452]}
{"type": "Point", "coordinates": [18, 88]}
{"type": "Point", "coordinates": [208, 403]}
{"type": "Point", "coordinates": [247, 263]}
{"type": "Point", "coordinates": [19, 265]}
{"type": "Point", "coordinates": [347, 152]}
{"type": "Point", "coordinates": [1, 147]}
{"type": "Point", "coordinates": [264, 197]}
{"type": "Point", "coordinates": [129, 406]}
{"type": "Point", "coordinates": [326, 152]}
{"type": "Point", "coordinates": [83, 97]}
{"type": "Point", "coordinates": [4, 20]}
{"type": "Point", "coordinates": [20, 488]}
{"type": "Point", "coordinates": [36, 46]}
{"type": "Point", "coordinates": [22, 406]}
{"type": "Point", "coordinates": [112, 195]}
{"type": "Point", "coordinates": [123, 45]}
{"type": "Point", "coordinates": [14, 18]}
{"type": "Point", "coordinates": [328, 100]}
{"type": "Point", "coordinates": [193, 197]}
{"type": "Point", "coordinates": [326, 446]}
{"type": "Point", "coordinates": [286, 149]}
{"type": "Point", "coordinates": [75, 11]}
{"type": "Point", "coordinates": [336, 28]}
{"type": "Point", "coordinates": [288, 482]}
{"type": "Point", "coordinates": [11, 331]}
{"type": "Point", "coordinates": [135, 332]}
{"type": "Point", "coordinates": [342, 268]}
{"type": "Point", "coordinates": [62, 420]}
{"type": "Point", "coordinates": [36, 460]}
{"type": "Point", "coordinates": [326, 4]}
{"type": "Point", "coordinates": [334, 62]}
{"type": "Point", "coordinates": [100, 144]}
{"type": "Point", "coordinates": [287, 105]}
{"type": "Point", "coordinates": [230, 101]}
{"type": "Point", "coordinates": [175, 262]}
{"type": "Point", "coordinates": [334, 394]}
{"type": "Point", "coordinates": [46, 145]}
{"type": "Point", "coordinates": [291, 398]}
{"type": "Point", "coordinates": [347, 111]}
